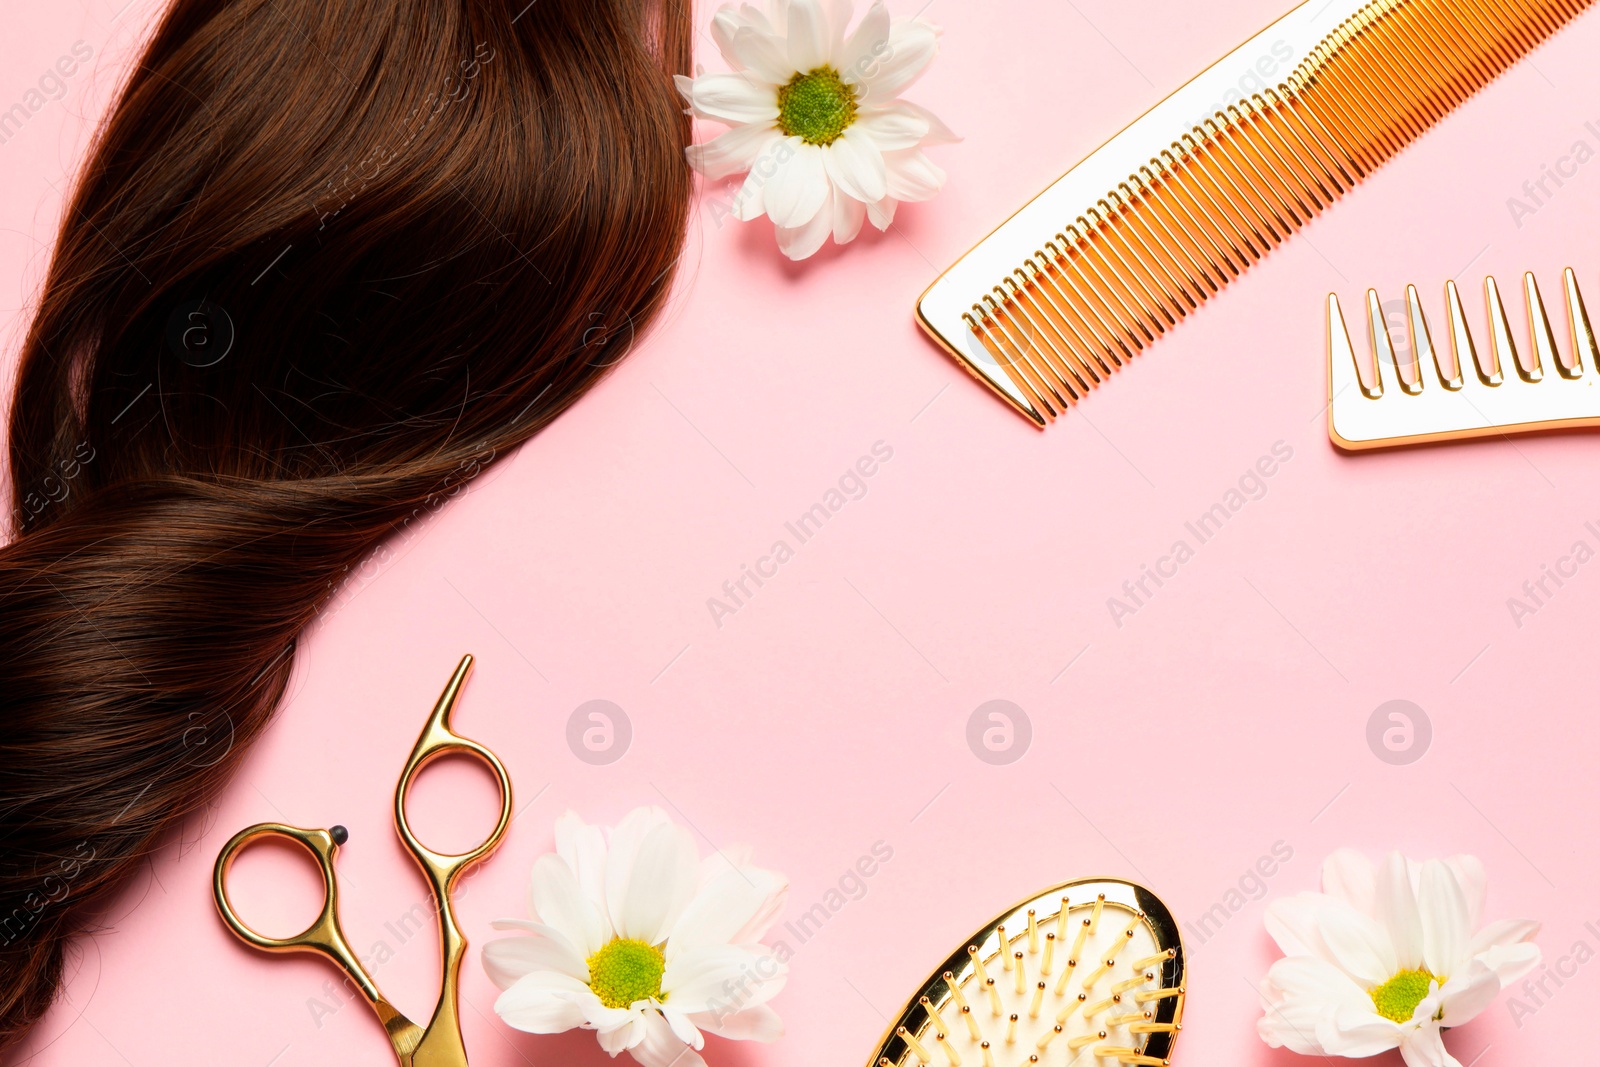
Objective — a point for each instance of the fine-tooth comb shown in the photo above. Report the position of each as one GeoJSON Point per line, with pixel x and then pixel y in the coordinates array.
{"type": "Point", "coordinates": [1455, 388]}
{"type": "Point", "coordinates": [1091, 970]}
{"type": "Point", "coordinates": [1171, 209]}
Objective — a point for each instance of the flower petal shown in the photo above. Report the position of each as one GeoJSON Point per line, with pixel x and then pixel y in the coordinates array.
{"type": "Point", "coordinates": [559, 902]}
{"type": "Point", "coordinates": [1396, 904]}
{"type": "Point", "coordinates": [938, 132]}
{"type": "Point", "coordinates": [1446, 929]}
{"type": "Point", "coordinates": [763, 55]}
{"type": "Point", "coordinates": [623, 846]}
{"type": "Point", "coordinates": [729, 909]}
{"type": "Point", "coordinates": [1466, 994]}
{"type": "Point", "coordinates": [1292, 922]}
{"type": "Point", "coordinates": [648, 890]}
{"type": "Point", "coordinates": [1280, 1028]}
{"type": "Point", "coordinates": [1357, 945]}
{"type": "Point", "coordinates": [1349, 876]}
{"type": "Point", "coordinates": [661, 1047]}
{"type": "Point", "coordinates": [750, 202]}
{"type": "Point", "coordinates": [1510, 962]}
{"type": "Point", "coordinates": [912, 175]}
{"type": "Point", "coordinates": [758, 1022]}
{"type": "Point", "coordinates": [893, 127]}
{"type": "Point", "coordinates": [623, 1028]}
{"type": "Point", "coordinates": [1300, 924]}
{"type": "Point", "coordinates": [725, 29]}
{"type": "Point", "coordinates": [798, 187]}
{"type": "Point", "coordinates": [732, 98]}
{"type": "Point", "coordinates": [724, 24]}
{"type": "Point", "coordinates": [1474, 885]}
{"type": "Point", "coordinates": [912, 45]}
{"type": "Point", "coordinates": [882, 213]}
{"type": "Point", "coordinates": [728, 21]}
{"type": "Point", "coordinates": [810, 36]}
{"type": "Point", "coordinates": [507, 959]}
{"type": "Point", "coordinates": [1424, 1047]}
{"type": "Point", "coordinates": [864, 49]}
{"type": "Point", "coordinates": [839, 13]}
{"type": "Point", "coordinates": [1357, 1031]}
{"type": "Point", "coordinates": [803, 242]}
{"type": "Point", "coordinates": [545, 1003]}
{"type": "Point", "coordinates": [848, 215]}
{"type": "Point", "coordinates": [1302, 976]}
{"type": "Point", "coordinates": [723, 977]}
{"type": "Point", "coordinates": [856, 167]}
{"type": "Point", "coordinates": [682, 1027]}
{"type": "Point", "coordinates": [1302, 993]}
{"type": "Point", "coordinates": [584, 848]}
{"type": "Point", "coordinates": [726, 154]}
{"type": "Point", "coordinates": [1502, 933]}
{"type": "Point", "coordinates": [716, 864]}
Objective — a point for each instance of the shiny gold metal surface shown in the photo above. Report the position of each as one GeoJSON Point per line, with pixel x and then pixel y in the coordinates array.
{"type": "Point", "coordinates": [439, 1044]}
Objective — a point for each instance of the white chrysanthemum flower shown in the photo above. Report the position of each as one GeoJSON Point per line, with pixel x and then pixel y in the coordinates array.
{"type": "Point", "coordinates": [1388, 958]}
{"type": "Point", "coordinates": [637, 938]}
{"type": "Point", "coordinates": [815, 116]}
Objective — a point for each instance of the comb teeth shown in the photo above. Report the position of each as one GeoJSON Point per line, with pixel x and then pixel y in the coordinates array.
{"type": "Point", "coordinates": [1024, 1021]}
{"type": "Point", "coordinates": [1496, 389]}
{"type": "Point", "coordinates": [1158, 221]}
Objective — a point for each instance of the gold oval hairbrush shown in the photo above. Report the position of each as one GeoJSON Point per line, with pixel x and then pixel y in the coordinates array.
{"type": "Point", "coordinates": [1090, 971]}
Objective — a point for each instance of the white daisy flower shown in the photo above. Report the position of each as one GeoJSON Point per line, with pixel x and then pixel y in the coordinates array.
{"type": "Point", "coordinates": [815, 116]}
{"type": "Point", "coordinates": [637, 938]}
{"type": "Point", "coordinates": [1388, 958]}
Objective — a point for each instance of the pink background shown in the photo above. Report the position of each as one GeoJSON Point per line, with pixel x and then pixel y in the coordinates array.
{"type": "Point", "coordinates": [1228, 715]}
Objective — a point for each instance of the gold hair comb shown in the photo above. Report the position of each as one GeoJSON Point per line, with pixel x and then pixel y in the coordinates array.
{"type": "Point", "coordinates": [1455, 388]}
{"type": "Point", "coordinates": [1093, 966]}
{"type": "Point", "coordinates": [1171, 209]}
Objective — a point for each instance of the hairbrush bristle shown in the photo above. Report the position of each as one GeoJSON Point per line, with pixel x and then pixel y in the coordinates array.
{"type": "Point", "coordinates": [977, 963]}
{"type": "Point", "coordinates": [1136, 980]}
{"type": "Point", "coordinates": [1085, 929]}
{"type": "Point", "coordinates": [913, 1044]}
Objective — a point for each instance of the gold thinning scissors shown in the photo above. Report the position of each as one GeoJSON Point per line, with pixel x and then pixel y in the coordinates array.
{"type": "Point", "coordinates": [440, 1044]}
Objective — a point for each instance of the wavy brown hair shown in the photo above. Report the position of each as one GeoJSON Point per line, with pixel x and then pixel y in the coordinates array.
{"type": "Point", "coordinates": [326, 260]}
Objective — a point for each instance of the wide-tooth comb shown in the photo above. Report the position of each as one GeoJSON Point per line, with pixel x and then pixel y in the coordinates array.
{"type": "Point", "coordinates": [1457, 388]}
{"type": "Point", "coordinates": [1453, 387]}
{"type": "Point", "coordinates": [1167, 212]}
{"type": "Point", "coordinates": [1089, 971]}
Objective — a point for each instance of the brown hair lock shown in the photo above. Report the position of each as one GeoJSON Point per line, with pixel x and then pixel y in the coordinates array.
{"type": "Point", "coordinates": [326, 260]}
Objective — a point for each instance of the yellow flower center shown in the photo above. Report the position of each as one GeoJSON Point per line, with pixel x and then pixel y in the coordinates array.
{"type": "Point", "coordinates": [817, 106]}
{"type": "Point", "coordinates": [625, 971]}
{"type": "Point", "coordinates": [1397, 999]}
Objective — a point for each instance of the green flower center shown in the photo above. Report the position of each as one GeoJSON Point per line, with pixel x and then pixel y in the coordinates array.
{"type": "Point", "coordinates": [625, 970]}
{"type": "Point", "coordinates": [1397, 999]}
{"type": "Point", "coordinates": [817, 106]}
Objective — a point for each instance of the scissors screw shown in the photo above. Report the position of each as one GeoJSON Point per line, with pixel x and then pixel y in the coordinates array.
{"type": "Point", "coordinates": [339, 834]}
